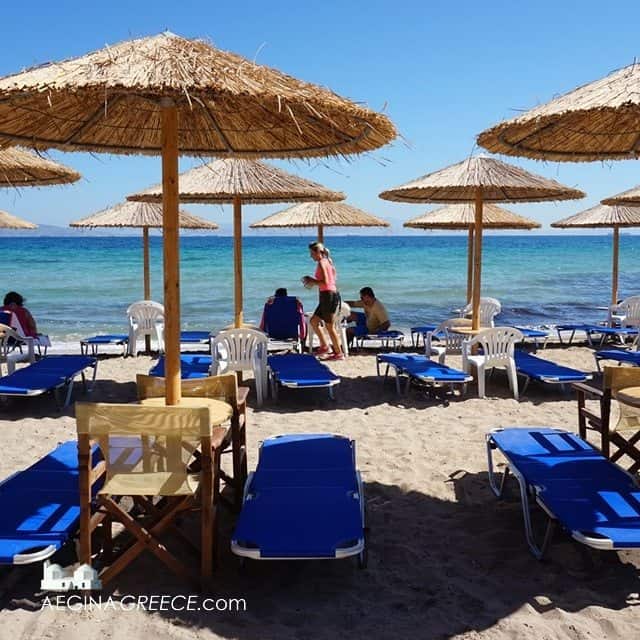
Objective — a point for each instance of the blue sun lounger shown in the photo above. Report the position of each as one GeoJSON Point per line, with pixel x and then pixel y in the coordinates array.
{"type": "Point", "coordinates": [195, 337]}
{"type": "Point", "coordinates": [618, 355]}
{"type": "Point", "coordinates": [40, 507]}
{"type": "Point", "coordinates": [49, 375]}
{"type": "Point", "coordinates": [191, 366]}
{"type": "Point", "coordinates": [300, 371]}
{"type": "Point", "coordinates": [304, 501]}
{"type": "Point", "coordinates": [533, 368]}
{"type": "Point", "coordinates": [622, 333]}
{"type": "Point", "coordinates": [420, 332]}
{"type": "Point", "coordinates": [95, 342]}
{"type": "Point", "coordinates": [592, 498]}
{"type": "Point", "coordinates": [413, 366]}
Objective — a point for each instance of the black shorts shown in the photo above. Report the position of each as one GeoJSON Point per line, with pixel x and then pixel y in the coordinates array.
{"type": "Point", "coordinates": [328, 305]}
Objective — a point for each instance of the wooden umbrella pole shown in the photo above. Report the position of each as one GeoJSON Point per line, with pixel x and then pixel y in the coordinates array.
{"type": "Point", "coordinates": [477, 261]}
{"type": "Point", "coordinates": [171, 251]}
{"type": "Point", "coordinates": [320, 233]}
{"type": "Point", "coordinates": [146, 278]}
{"type": "Point", "coordinates": [614, 270]}
{"type": "Point", "coordinates": [469, 265]}
{"type": "Point", "coordinates": [237, 260]}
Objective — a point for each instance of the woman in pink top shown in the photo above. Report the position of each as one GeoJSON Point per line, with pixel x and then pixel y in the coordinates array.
{"type": "Point", "coordinates": [13, 302]}
{"type": "Point", "coordinates": [329, 299]}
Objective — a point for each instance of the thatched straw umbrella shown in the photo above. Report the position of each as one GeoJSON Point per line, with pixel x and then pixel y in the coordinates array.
{"type": "Point", "coordinates": [603, 215]}
{"type": "Point", "coordinates": [20, 168]}
{"type": "Point", "coordinates": [320, 215]}
{"type": "Point", "coordinates": [462, 216]}
{"type": "Point", "coordinates": [240, 182]}
{"type": "Point", "coordinates": [8, 221]}
{"type": "Point", "coordinates": [480, 179]}
{"type": "Point", "coordinates": [168, 95]}
{"type": "Point", "coordinates": [597, 121]}
{"type": "Point", "coordinates": [145, 216]}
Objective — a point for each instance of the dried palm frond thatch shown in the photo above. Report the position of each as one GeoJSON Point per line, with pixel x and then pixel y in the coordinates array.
{"type": "Point", "coordinates": [596, 121]}
{"type": "Point", "coordinates": [498, 182]}
{"type": "Point", "coordinates": [140, 215]}
{"type": "Point", "coordinates": [630, 197]}
{"type": "Point", "coordinates": [602, 215]}
{"type": "Point", "coordinates": [20, 168]}
{"type": "Point", "coordinates": [252, 181]}
{"type": "Point", "coordinates": [8, 221]}
{"type": "Point", "coordinates": [109, 101]}
{"type": "Point", "coordinates": [325, 214]}
{"type": "Point", "coordinates": [462, 216]}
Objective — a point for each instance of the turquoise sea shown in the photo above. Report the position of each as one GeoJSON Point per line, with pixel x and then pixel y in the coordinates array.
{"type": "Point", "coordinates": [80, 286]}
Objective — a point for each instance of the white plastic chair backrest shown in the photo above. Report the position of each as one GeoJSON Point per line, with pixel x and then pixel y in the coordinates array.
{"type": "Point", "coordinates": [452, 341]}
{"type": "Point", "coordinates": [630, 309]}
{"type": "Point", "coordinates": [145, 314]}
{"type": "Point", "coordinates": [343, 313]}
{"type": "Point", "coordinates": [498, 344]}
{"type": "Point", "coordinates": [239, 348]}
{"type": "Point", "coordinates": [489, 309]}
{"type": "Point", "coordinates": [6, 346]}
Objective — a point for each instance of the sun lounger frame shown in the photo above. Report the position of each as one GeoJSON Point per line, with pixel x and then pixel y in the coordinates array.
{"type": "Point", "coordinates": [529, 489]}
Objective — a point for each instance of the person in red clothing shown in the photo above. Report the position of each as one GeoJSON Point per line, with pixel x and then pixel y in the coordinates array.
{"type": "Point", "coordinates": [325, 278]}
{"type": "Point", "coordinates": [13, 302]}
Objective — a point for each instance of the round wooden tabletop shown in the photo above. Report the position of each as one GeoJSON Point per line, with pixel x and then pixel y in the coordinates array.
{"type": "Point", "coordinates": [630, 396]}
{"type": "Point", "coordinates": [220, 411]}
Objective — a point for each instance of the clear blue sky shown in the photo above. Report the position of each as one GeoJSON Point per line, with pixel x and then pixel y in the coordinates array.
{"type": "Point", "coordinates": [443, 71]}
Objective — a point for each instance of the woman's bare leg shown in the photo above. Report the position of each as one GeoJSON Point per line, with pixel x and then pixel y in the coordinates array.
{"type": "Point", "coordinates": [333, 334]}
{"type": "Point", "coordinates": [315, 323]}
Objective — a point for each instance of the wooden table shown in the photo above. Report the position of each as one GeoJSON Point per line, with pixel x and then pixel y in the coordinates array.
{"type": "Point", "coordinates": [466, 331]}
{"type": "Point", "coordinates": [220, 411]}
{"type": "Point", "coordinates": [629, 396]}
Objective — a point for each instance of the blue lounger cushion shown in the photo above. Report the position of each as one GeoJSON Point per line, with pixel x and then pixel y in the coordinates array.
{"type": "Point", "coordinates": [303, 501]}
{"type": "Point", "coordinates": [545, 370]}
{"type": "Point", "coordinates": [191, 366]}
{"type": "Point", "coordinates": [618, 355]}
{"type": "Point", "coordinates": [591, 497]}
{"type": "Point", "coordinates": [421, 367]}
{"type": "Point", "coordinates": [527, 332]}
{"type": "Point", "coordinates": [41, 506]}
{"type": "Point", "coordinates": [195, 337]}
{"type": "Point", "coordinates": [45, 375]}
{"type": "Point", "coordinates": [118, 338]}
{"type": "Point", "coordinates": [301, 370]}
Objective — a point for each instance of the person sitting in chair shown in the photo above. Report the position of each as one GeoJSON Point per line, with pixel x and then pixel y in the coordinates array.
{"type": "Point", "coordinates": [376, 318]}
{"type": "Point", "coordinates": [282, 294]}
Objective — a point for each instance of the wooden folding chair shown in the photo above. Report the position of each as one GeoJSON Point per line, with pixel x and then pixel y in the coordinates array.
{"type": "Point", "coordinates": [620, 442]}
{"type": "Point", "coordinates": [147, 455]}
{"type": "Point", "coordinates": [223, 387]}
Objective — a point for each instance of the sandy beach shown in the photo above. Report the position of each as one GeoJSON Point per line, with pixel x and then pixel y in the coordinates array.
{"type": "Point", "coordinates": [446, 559]}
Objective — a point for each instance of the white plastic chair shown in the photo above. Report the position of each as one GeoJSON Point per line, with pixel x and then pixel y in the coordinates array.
{"type": "Point", "coordinates": [489, 309]}
{"type": "Point", "coordinates": [10, 353]}
{"type": "Point", "coordinates": [625, 313]}
{"type": "Point", "coordinates": [341, 322]}
{"type": "Point", "coordinates": [242, 350]}
{"type": "Point", "coordinates": [450, 342]}
{"type": "Point", "coordinates": [146, 318]}
{"type": "Point", "coordinates": [498, 346]}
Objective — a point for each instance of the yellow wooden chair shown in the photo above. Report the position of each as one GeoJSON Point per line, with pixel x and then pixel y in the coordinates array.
{"type": "Point", "coordinates": [157, 476]}
{"type": "Point", "coordinates": [221, 387]}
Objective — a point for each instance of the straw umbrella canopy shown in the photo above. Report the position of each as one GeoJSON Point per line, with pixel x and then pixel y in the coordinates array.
{"type": "Point", "coordinates": [8, 221]}
{"type": "Point", "coordinates": [597, 121]}
{"type": "Point", "coordinates": [480, 179]}
{"type": "Point", "coordinates": [239, 181]}
{"type": "Point", "coordinates": [320, 215]}
{"type": "Point", "coordinates": [603, 215]}
{"type": "Point", "coordinates": [20, 168]}
{"type": "Point", "coordinates": [140, 215]}
{"type": "Point", "coordinates": [169, 95]}
{"type": "Point", "coordinates": [462, 216]}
